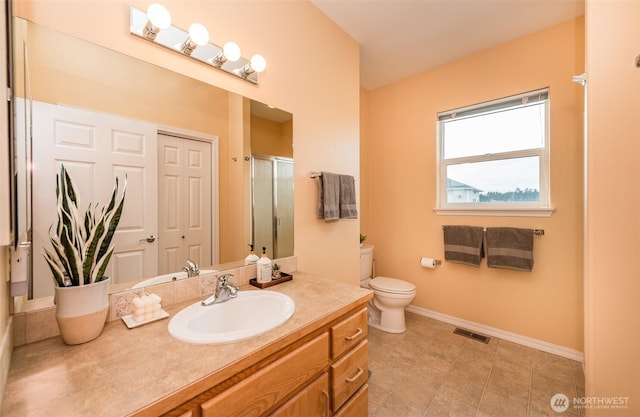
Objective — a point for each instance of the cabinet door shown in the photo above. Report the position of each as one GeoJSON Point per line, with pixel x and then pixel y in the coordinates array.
{"type": "Point", "coordinates": [357, 406]}
{"type": "Point", "coordinates": [312, 401]}
{"type": "Point", "coordinates": [263, 390]}
{"type": "Point", "coordinates": [348, 375]}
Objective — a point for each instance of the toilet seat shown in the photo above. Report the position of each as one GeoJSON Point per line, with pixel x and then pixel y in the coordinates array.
{"type": "Point", "coordinates": [392, 286]}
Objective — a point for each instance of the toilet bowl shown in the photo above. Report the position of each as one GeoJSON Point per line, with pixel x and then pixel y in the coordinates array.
{"type": "Point", "coordinates": [390, 296]}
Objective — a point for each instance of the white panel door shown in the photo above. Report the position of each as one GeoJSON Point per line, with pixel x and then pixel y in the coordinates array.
{"type": "Point", "coordinates": [96, 148]}
{"type": "Point", "coordinates": [184, 193]}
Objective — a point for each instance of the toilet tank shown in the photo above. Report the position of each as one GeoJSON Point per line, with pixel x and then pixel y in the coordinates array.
{"type": "Point", "coordinates": [366, 261]}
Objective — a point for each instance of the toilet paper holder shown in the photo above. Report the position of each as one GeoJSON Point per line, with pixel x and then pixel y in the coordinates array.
{"type": "Point", "coordinates": [429, 262]}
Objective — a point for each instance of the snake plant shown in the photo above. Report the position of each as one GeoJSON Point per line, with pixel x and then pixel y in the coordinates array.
{"type": "Point", "coordinates": [81, 247]}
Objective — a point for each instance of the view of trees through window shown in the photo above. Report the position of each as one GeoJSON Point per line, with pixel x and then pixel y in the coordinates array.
{"type": "Point", "coordinates": [494, 152]}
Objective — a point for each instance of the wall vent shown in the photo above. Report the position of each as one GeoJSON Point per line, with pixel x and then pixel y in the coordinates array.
{"type": "Point", "coordinates": [472, 335]}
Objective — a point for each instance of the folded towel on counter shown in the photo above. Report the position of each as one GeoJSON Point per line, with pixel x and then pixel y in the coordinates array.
{"type": "Point", "coordinates": [329, 196]}
{"type": "Point", "coordinates": [510, 247]}
{"type": "Point", "coordinates": [463, 244]}
{"type": "Point", "coordinates": [348, 207]}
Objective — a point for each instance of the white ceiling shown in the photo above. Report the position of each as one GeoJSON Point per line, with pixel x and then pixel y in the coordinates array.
{"type": "Point", "coordinates": [400, 38]}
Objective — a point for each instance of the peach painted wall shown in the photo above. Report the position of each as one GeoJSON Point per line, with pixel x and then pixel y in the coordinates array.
{"type": "Point", "coordinates": [297, 41]}
{"type": "Point", "coordinates": [271, 138]}
{"type": "Point", "coordinates": [612, 285]}
{"type": "Point", "coordinates": [401, 169]}
{"type": "Point", "coordinates": [365, 175]}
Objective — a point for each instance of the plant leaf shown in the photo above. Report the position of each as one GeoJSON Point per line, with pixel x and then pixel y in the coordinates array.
{"type": "Point", "coordinates": [101, 266]}
{"type": "Point", "coordinates": [90, 258]}
{"type": "Point", "coordinates": [56, 268]}
{"type": "Point", "coordinates": [112, 218]}
{"type": "Point", "coordinates": [72, 256]}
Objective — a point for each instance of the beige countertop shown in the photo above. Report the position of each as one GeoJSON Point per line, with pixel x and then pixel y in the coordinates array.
{"type": "Point", "coordinates": [125, 370]}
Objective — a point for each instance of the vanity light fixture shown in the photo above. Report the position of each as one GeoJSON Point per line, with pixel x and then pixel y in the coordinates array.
{"type": "Point", "coordinates": [198, 36]}
{"type": "Point", "coordinates": [230, 52]}
{"type": "Point", "coordinates": [159, 19]}
{"type": "Point", "coordinates": [256, 65]}
{"type": "Point", "coordinates": [154, 25]}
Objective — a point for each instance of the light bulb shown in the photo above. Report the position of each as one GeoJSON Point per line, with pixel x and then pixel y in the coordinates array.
{"type": "Point", "coordinates": [159, 16]}
{"type": "Point", "coordinates": [198, 34]}
{"type": "Point", "coordinates": [258, 63]}
{"type": "Point", "coordinates": [231, 51]}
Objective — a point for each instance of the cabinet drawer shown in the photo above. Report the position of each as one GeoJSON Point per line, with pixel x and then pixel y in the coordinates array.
{"type": "Point", "coordinates": [357, 406]}
{"type": "Point", "coordinates": [258, 393]}
{"type": "Point", "coordinates": [311, 401]}
{"type": "Point", "coordinates": [348, 333]}
{"type": "Point", "coordinates": [348, 374]}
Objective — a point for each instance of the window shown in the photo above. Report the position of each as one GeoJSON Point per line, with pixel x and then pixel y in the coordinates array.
{"type": "Point", "coordinates": [494, 157]}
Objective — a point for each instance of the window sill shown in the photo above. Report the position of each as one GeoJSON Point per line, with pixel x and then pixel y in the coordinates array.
{"type": "Point", "coordinates": [500, 212]}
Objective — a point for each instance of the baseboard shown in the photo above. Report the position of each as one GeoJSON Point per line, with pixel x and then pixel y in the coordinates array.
{"type": "Point", "coordinates": [492, 331]}
{"type": "Point", "coordinates": [6, 349]}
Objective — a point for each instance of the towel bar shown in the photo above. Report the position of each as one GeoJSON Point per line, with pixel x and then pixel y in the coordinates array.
{"type": "Point", "coordinates": [316, 174]}
{"type": "Point", "coordinates": [538, 232]}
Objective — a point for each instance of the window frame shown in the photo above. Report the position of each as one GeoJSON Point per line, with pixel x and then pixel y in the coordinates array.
{"type": "Point", "coordinates": [540, 208]}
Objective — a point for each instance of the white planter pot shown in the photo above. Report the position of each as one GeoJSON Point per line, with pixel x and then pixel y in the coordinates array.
{"type": "Point", "coordinates": [82, 311]}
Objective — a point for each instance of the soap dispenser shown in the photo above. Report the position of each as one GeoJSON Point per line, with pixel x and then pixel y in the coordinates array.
{"type": "Point", "coordinates": [251, 258]}
{"type": "Point", "coordinates": [264, 268]}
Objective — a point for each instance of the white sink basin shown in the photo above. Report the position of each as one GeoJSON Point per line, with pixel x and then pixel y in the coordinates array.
{"type": "Point", "coordinates": [250, 314]}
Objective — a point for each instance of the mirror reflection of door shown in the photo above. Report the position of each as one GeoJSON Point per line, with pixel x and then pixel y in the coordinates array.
{"type": "Point", "coordinates": [272, 186]}
{"type": "Point", "coordinates": [184, 197]}
{"type": "Point", "coordinates": [95, 148]}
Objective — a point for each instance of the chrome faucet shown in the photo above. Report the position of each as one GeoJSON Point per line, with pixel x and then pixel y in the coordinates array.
{"type": "Point", "coordinates": [191, 269]}
{"type": "Point", "coordinates": [224, 291]}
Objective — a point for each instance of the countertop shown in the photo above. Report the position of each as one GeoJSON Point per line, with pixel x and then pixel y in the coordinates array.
{"type": "Point", "coordinates": [125, 370]}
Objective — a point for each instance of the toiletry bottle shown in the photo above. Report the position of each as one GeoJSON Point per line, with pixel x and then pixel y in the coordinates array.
{"type": "Point", "coordinates": [251, 258]}
{"type": "Point", "coordinates": [264, 267]}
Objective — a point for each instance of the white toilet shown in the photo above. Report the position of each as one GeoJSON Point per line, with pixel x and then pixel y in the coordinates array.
{"type": "Point", "coordinates": [390, 295]}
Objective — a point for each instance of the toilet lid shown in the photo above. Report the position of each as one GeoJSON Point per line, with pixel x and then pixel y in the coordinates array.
{"type": "Point", "coordinates": [391, 285]}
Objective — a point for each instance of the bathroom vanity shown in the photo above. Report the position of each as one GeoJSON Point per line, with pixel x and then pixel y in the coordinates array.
{"type": "Point", "coordinates": [313, 364]}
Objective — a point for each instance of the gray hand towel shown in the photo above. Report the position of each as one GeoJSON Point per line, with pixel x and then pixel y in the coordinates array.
{"type": "Point", "coordinates": [348, 207]}
{"type": "Point", "coordinates": [329, 196]}
{"type": "Point", "coordinates": [509, 247]}
{"type": "Point", "coordinates": [463, 244]}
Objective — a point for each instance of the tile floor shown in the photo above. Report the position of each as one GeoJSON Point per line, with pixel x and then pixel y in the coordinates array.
{"type": "Point", "coordinates": [429, 371]}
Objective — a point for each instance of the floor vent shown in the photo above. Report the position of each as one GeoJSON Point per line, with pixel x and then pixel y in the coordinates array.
{"type": "Point", "coordinates": [471, 335]}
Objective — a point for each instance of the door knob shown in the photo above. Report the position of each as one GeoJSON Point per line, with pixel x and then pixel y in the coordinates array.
{"type": "Point", "coordinates": [149, 239]}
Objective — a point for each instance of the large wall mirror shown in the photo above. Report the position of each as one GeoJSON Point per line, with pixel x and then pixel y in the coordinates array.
{"type": "Point", "coordinates": [208, 171]}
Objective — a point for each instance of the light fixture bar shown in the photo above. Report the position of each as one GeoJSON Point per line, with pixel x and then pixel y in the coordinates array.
{"type": "Point", "coordinates": [194, 44]}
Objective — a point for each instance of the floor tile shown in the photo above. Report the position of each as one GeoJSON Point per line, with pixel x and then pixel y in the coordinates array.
{"type": "Point", "coordinates": [429, 371]}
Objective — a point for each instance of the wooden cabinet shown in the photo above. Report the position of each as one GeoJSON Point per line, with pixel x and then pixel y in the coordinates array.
{"type": "Point", "coordinates": [311, 401]}
{"type": "Point", "coordinates": [358, 405]}
{"type": "Point", "coordinates": [261, 391]}
{"type": "Point", "coordinates": [322, 374]}
{"type": "Point", "coordinates": [348, 333]}
{"type": "Point", "coordinates": [348, 374]}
